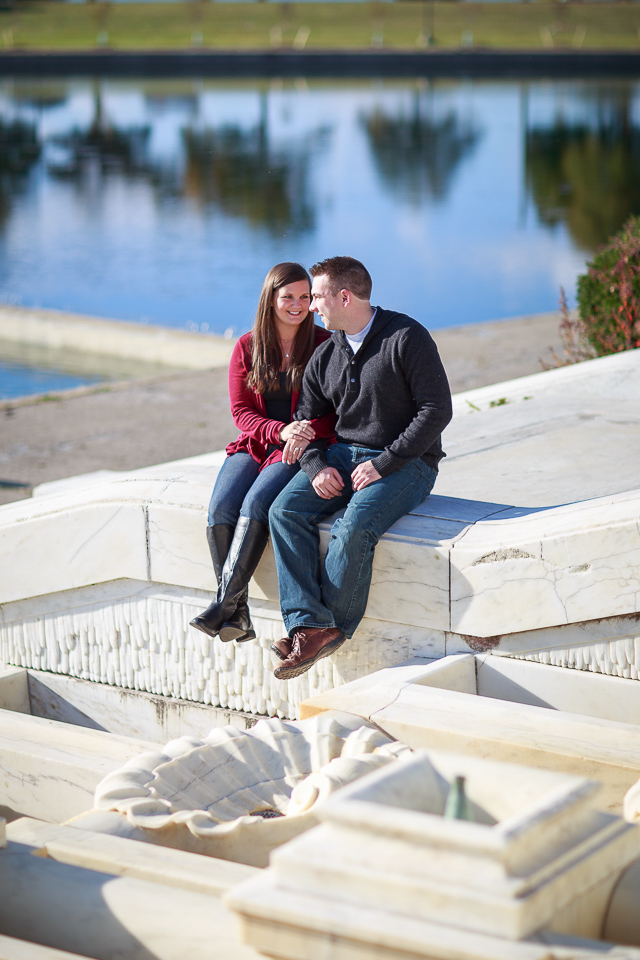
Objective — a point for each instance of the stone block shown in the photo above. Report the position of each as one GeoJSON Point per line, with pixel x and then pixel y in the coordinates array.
{"type": "Point", "coordinates": [50, 770]}
{"type": "Point", "coordinates": [14, 690]}
{"type": "Point", "coordinates": [535, 849]}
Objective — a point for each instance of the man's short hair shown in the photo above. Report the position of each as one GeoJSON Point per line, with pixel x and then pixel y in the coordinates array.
{"type": "Point", "coordinates": [344, 273]}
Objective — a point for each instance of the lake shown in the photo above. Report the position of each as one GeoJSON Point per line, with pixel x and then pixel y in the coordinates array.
{"type": "Point", "coordinates": [166, 201]}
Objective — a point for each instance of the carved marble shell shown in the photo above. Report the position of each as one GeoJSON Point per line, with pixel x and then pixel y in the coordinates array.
{"type": "Point", "coordinates": [631, 805]}
{"type": "Point", "coordinates": [211, 796]}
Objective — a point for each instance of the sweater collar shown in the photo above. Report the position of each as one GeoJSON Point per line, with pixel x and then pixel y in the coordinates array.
{"type": "Point", "coordinates": [380, 320]}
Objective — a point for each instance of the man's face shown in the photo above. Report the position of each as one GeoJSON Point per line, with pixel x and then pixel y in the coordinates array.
{"type": "Point", "coordinates": [328, 306]}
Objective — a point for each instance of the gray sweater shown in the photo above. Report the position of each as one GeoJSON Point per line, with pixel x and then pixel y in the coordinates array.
{"type": "Point", "coordinates": [391, 395]}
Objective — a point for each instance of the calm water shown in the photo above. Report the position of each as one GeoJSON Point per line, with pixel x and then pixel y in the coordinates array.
{"type": "Point", "coordinates": [166, 201]}
{"type": "Point", "coordinates": [18, 380]}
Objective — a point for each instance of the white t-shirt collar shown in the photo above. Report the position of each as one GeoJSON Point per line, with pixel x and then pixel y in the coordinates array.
{"type": "Point", "coordinates": [355, 339]}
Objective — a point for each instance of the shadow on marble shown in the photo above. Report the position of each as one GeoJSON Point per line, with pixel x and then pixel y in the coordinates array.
{"type": "Point", "coordinates": [105, 897]}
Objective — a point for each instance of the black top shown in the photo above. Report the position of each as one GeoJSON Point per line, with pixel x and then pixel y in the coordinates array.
{"type": "Point", "coordinates": [278, 401]}
{"type": "Point", "coordinates": [392, 395]}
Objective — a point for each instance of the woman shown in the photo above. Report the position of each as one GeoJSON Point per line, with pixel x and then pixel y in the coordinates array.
{"type": "Point", "coordinates": [265, 374]}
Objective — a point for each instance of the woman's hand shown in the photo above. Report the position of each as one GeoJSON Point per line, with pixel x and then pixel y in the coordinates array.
{"type": "Point", "coordinates": [293, 450]}
{"type": "Point", "coordinates": [297, 430]}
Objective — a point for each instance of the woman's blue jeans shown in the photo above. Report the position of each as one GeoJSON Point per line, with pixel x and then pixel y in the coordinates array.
{"type": "Point", "coordinates": [243, 490]}
{"type": "Point", "coordinates": [334, 594]}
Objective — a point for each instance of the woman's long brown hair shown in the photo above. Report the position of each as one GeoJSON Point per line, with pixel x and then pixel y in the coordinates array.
{"type": "Point", "coordinates": [267, 355]}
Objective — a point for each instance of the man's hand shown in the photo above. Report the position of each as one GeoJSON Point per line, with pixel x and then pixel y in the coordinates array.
{"type": "Point", "coordinates": [328, 483]}
{"type": "Point", "coordinates": [293, 450]}
{"type": "Point", "coordinates": [364, 474]}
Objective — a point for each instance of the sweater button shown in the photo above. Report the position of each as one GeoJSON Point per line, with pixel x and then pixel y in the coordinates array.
{"type": "Point", "coordinates": [353, 380]}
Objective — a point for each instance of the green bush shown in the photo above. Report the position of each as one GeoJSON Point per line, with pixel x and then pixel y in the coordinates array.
{"type": "Point", "coordinates": [609, 293]}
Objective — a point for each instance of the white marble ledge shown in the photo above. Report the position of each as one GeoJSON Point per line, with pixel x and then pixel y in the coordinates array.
{"type": "Point", "coordinates": [189, 486]}
{"type": "Point", "coordinates": [568, 564]}
{"type": "Point", "coordinates": [49, 770]}
{"type": "Point", "coordinates": [477, 569]}
{"type": "Point", "coordinates": [43, 737]}
{"type": "Point", "coordinates": [119, 856]}
{"type": "Point", "coordinates": [82, 911]}
{"type": "Point", "coordinates": [149, 525]}
{"type": "Point", "coordinates": [620, 371]}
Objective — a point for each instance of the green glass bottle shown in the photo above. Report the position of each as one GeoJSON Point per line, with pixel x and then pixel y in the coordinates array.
{"type": "Point", "coordinates": [457, 806]}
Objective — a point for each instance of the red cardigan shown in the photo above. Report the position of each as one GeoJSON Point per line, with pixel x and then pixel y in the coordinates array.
{"type": "Point", "coordinates": [250, 413]}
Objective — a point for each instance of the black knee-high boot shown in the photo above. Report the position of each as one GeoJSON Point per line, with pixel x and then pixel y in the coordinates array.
{"type": "Point", "coordinates": [238, 626]}
{"type": "Point", "coordinates": [228, 615]}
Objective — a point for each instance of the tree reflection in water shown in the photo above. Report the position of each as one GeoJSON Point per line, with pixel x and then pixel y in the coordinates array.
{"type": "Point", "coordinates": [233, 169]}
{"type": "Point", "coordinates": [417, 156]}
{"type": "Point", "coordinates": [242, 173]}
{"type": "Point", "coordinates": [19, 151]}
{"type": "Point", "coordinates": [101, 149]}
{"type": "Point", "coordinates": [586, 174]}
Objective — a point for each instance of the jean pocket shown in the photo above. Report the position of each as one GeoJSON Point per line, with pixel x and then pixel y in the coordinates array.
{"type": "Point", "coordinates": [362, 454]}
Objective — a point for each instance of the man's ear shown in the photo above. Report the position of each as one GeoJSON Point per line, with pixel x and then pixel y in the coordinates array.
{"type": "Point", "coordinates": [346, 297]}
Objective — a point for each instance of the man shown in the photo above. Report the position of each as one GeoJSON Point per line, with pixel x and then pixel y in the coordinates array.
{"type": "Point", "coordinates": [381, 373]}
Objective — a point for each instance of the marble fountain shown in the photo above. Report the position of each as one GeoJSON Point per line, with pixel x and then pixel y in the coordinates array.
{"type": "Point", "coordinates": [502, 628]}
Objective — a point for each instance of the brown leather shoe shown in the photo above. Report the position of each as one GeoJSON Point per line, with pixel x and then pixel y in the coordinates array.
{"type": "Point", "coordinates": [308, 645]}
{"type": "Point", "coordinates": [282, 648]}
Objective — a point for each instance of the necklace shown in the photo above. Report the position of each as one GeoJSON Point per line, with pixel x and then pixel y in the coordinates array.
{"type": "Point", "coordinates": [282, 342]}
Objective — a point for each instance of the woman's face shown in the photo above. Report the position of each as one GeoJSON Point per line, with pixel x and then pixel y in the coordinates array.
{"type": "Point", "coordinates": [291, 306]}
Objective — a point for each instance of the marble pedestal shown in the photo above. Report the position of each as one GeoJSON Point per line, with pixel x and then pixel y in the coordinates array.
{"type": "Point", "coordinates": [538, 856]}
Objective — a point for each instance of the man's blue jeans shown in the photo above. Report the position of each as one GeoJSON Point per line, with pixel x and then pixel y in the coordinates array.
{"type": "Point", "coordinates": [243, 490]}
{"type": "Point", "coordinates": [334, 594]}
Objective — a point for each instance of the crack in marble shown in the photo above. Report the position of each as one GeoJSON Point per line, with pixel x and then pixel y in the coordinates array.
{"type": "Point", "coordinates": [94, 533]}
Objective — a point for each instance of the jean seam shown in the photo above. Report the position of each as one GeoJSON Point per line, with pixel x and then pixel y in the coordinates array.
{"type": "Point", "coordinates": [364, 551]}
{"type": "Point", "coordinates": [312, 626]}
{"type": "Point", "coordinates": [312, 520]}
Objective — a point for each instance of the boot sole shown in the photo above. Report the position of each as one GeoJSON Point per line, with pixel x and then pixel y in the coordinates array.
{"type": "Point", "coordinates": [288, 673]}
{"type": "Point", "coordinates": [202, 627]}
{"type": "Point", "coordinates": [229, 632]}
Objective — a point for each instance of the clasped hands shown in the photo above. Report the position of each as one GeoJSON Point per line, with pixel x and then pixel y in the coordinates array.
{"type": "Point", "coordinates": [328, 483]}
{"type": "Point", "coordinates": [296, 437]}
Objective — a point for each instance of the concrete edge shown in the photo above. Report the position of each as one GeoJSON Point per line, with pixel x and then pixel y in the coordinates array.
{"type": "Point", "coordinates": [334, 63]}
{"type": "Point", "coordinates": [56, 330]}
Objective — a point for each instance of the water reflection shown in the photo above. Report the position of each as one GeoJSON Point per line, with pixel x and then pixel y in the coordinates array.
{"type": "Point", "coordinates": [100, 149]}
{"type": "Point", "coordinates": [585, 172]}
{"type": "Point", "coordinates": [418, 155]}
{"type": "Point", "coordinates": [241, 173]}
{"type": "Point", "coordinates": [19, 151]}
{"type": "Point", "coordinates": [168, 200]}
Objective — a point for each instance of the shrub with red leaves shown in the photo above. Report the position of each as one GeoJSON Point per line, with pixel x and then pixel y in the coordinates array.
{"type": "Point", "coordinates": [609, 293]}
